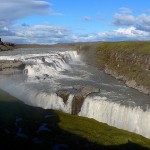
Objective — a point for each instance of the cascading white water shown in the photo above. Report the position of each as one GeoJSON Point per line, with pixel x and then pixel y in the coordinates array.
{"type": "Point", "coordinates": [45, 67]}
{"type": "Point", "coordinates": [133, 119]}
{"type": "Point", "coordinates": [50, 70]}
{"type": "Point", "coordinates": [45, 64]}
{"type": "Point", "coordinates": [35, 98]}
{"type": "Point", "coordinates": [51, 64]}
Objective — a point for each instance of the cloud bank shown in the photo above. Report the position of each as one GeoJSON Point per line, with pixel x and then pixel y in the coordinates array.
{"type": "Point", "coordinates": [16, 9]}
{"type": "Point", "coordinates": [141, 22]}
{"type": "Point", "coordinates": [130, 27]}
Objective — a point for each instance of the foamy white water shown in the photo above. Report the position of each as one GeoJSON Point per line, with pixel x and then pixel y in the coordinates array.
{"type": "Point", "coordinates": [48, 70]}
{"type": "Point", "coordinates": [133, 119]}
{"type": "Point", "coordinates": [32, 96]}
{"type": "Point", "coordinates": [45, 64]}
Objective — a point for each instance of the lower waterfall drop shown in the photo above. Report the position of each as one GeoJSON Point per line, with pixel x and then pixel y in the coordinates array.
{"type": "Point", "coordinates": [133, 119]}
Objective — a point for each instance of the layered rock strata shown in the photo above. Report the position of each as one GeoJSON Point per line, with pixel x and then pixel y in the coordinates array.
{"type": "Point", "coordinates": [80, 93]}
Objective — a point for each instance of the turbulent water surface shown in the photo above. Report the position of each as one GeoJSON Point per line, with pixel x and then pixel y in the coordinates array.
{"type": "Point", "coordinates": [48, 70]}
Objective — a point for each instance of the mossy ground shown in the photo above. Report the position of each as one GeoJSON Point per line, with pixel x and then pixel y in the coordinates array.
{"type": "Point", "coordinates": [20, 124]}
{"type": "Point", "coordinates": [141, 47]}
{"type": "Point", "coordinates": [128, 59]}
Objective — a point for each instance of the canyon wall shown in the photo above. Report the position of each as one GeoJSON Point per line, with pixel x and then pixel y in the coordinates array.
{"type": "Point", "coordinates": [127, 61]}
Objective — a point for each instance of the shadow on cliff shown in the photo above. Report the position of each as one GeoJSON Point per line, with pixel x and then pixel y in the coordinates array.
{"type": "Point", "coordinates": [26, 127]}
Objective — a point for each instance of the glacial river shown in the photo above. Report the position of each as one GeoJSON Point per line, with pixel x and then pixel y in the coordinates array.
{"type": "Point", "coordinates": [48, 70]}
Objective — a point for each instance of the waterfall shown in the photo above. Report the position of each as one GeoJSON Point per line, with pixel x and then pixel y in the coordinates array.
{"type": "Point", "coordinates": [129, 118]}
{"type": "Point", "coordinates": [133, 119]}
{"type": "Point", "coordinates": [45, 65]}
{"type": "Point", "coordinates": [50, 70]}
{"type": "Point", "coordinates": [33, 97]}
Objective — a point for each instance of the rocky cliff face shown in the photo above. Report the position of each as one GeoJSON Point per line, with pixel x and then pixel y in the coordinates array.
{"type": "Point", "coordinates": [80, 93]}
{"type": "Point", "coordinates": [133, 68]}
{"type": "Point", "coordinates": [128, 61]}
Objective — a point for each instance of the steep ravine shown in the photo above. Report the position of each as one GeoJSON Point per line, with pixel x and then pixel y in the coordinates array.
{"type": "Point", "coordinates": [127, 61]}
{"type": "Point", "coordinates": [95, 95]}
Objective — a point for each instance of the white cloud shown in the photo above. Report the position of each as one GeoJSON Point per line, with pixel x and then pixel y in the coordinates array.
{"type": "Point", "coordinates": [16, 9]}
{"type": "Point", "coordinates": [11, 10]}
{"type": "Point", "coordinates": [36, 33]}
{"type": "Point", "coordinates": [141, 22]}
{"type": "Point", "coordinates": [130, 33]}
{"type": "Point", "coordinates": [124, 20]}
{"type": "Point", "coordinates": [83, 38]}
{"type": "Point", "coordinates": [131, 27]}
{"type": "Point", "coordinates": [47, 34]}
{"type": "Point", "coordinates": [125, 10]}
{"type": "Point", "coordinates": [144, 19]}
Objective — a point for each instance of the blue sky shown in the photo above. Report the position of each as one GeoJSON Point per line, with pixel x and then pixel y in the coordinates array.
{"type": "Point", "coordinates": [56, 21]}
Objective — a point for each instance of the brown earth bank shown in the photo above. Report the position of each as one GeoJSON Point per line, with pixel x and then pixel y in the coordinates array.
{"type": "Point", "coordinates": [5, 46]}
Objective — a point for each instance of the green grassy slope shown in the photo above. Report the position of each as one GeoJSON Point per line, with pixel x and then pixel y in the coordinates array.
{"type": "Point", "coordinates": [99, 132]}
{"type": "Point", "coordinates": [76, 132]}
{"type": "Point", "coordinates": [128, 59]}
{"type": "Point", "coordinates": [138, 47]}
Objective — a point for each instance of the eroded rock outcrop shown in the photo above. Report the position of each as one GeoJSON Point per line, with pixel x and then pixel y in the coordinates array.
{"type": "Point", "coordinates": [80, 93]}
{"type": "Point", "coordinates": [127, 61]}
{"type": "Point", "coordinates": [64, 94]}
{"type": "Point", "coordinates": [5, 46]}
{"type": "Point", "coordinates": [77, 103]}
{"type": "Point", "coordinates": [85, 90]}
